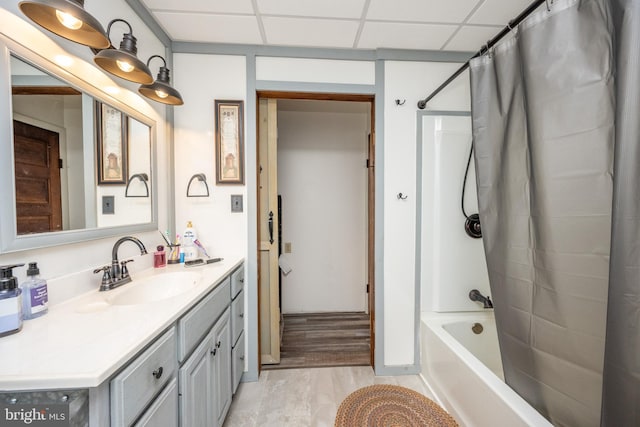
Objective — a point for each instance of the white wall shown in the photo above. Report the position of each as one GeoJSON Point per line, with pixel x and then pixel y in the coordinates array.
{"type": "Point", "coordinates": [410, 81]}
{"type": "Point", "coordinates": [452, 262]}
{"type": "Point", "coordinates": [74, 262]}
{"type": "Point", "coordinates": [202, 79]}
{"type": "Point", "coordinates": [322, 178]}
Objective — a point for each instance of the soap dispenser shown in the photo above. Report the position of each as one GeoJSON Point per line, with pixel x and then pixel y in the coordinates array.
{"type": "Point", "coordinates": [35, 296]}
{"type": "Point", "coordinates": [10, 301]}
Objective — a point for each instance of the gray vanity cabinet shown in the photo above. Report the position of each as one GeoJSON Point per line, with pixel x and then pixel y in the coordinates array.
{"type": "Point", "coordinates": [164, 411]}
{"type": "Point", "coordinates": [221, 352]}
{"type": "Point", "coordinates": [237, 327]}
{"type": "Point", "coordinates": [205, 379]}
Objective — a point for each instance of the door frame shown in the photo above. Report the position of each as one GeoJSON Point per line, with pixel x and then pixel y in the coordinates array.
{"type": "Point", "coordinates": [371, 204]}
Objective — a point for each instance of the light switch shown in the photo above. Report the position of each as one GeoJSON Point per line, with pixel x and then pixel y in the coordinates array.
{"type": "Point", "coordinates": [287, 247]}
{"type": "Point", "coordinates": [236, 203]}
{"type": "Point", "coordinates": [108, 207]}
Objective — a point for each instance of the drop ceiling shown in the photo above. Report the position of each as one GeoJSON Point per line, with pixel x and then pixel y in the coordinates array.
{"type": "Point", "coordinates": [450, 25]}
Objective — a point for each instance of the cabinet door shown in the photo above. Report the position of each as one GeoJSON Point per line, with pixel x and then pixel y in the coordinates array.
{"type": "Point", "coordinates": [196, 392]}
{"type": "Point", "coordinates": [164, 411]}
{"type": "Point", "coordinates": [222, 367]}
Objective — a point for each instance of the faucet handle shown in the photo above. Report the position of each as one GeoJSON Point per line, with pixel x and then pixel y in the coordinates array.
{"type": "Point", "coordinates": [124, 272]}
{"type": "Point", "coordinates": [106, 277]}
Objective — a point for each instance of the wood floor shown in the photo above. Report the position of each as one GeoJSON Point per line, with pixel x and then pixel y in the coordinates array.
{"type": "Point", "coordinates": [314, 340]}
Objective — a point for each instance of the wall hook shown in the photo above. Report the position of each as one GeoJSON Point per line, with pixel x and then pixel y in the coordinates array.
{"type": "Point", "coordinates": [398, 102]}
{"type": "Point", "coordinates": [402, 196]}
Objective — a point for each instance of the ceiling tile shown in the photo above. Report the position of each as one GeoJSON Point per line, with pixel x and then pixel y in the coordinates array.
{"type": "Point", "coordinates": [433, 11]}
{"type": "Point", "coordinates": [471, 38]}
{"type": "Point", "coordinates": [498, 12]}
{"type": "Point", "coordinates": [214, 6]}
{"type": "Point", "coordinates": [310, 32]}
{"type": "Point", "coordinates": [210, 28]}
{"type": "Point", "coordinates": [404, 36]}
{"type": "Point", "coordinates": [312, 8]}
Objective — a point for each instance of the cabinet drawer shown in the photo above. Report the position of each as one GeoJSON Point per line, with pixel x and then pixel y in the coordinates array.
{"type": "Point", "coordinates": [237, 281]}
{"type": "Point", "coordinates": [237, 362]}
{"type": "Point", "coordinates": [197, 322]}
{"type": "Point", "coordinates": [237, 317]}
{"type": "Point", "coordinates": [164, 411]}
{"type": "Point", "coordinates": [137, 385]}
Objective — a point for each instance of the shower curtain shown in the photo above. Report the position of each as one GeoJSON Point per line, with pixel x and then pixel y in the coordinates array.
{"type": "Point", "coordinates": [548, 129]}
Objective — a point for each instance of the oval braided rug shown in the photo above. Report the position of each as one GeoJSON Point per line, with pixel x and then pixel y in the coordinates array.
{"type": "Point", "coordinates": [384, 405]}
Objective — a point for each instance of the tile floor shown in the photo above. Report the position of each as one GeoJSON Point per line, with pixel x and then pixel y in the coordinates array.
{"type": "Point", "coordinates": [304, 397]}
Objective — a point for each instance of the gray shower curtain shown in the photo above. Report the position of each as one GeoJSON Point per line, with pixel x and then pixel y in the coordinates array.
{"type": "Point", "coordinates": [545, 117]}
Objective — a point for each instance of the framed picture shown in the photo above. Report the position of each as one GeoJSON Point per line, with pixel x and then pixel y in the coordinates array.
{"type": "Point", "coordinates": [112, 145]}
{"type": "Point", "coordinates": [229, 142]}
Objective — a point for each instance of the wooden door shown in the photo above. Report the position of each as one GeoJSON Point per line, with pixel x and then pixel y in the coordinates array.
{"type": "Point", "coordinates": [37, 177]}
{"type": "Point", "coordinates": [268, 232]}
{"type": "Point", "coordinates": [371, 254]}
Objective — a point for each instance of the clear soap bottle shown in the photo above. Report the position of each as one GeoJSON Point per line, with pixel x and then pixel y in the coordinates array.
{"type": "Point", "coordinates": [35, 296]}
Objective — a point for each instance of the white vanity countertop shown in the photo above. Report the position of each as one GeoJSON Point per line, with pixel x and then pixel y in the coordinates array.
{"type": "Point", "coordinates": [82, 342]}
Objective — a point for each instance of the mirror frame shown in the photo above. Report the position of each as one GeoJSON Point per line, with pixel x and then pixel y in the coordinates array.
{"type": "Point", "coordinates": [10, 241]}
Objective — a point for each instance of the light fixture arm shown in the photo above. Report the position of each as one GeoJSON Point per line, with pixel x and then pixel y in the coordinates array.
{"type": "Point", "coordinates": [117, 20]}
{"type": "Point", "coordinates": [164, 63]}
{"type": "Point", "coordinates": [129, 41]}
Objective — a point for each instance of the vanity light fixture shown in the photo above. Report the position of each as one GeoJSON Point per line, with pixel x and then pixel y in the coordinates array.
{"type": "Point", "coordinates": [161, 90]}
{"type": "Point", "coordinates": [68, 19]}
{"type": "Point", "coordinates": [123, 62]}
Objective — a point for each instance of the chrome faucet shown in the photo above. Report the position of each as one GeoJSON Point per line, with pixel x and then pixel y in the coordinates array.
{"type": "Point", "coordinates": [475, 295]}
{"type": "Point", "coordinates": [117, 273]}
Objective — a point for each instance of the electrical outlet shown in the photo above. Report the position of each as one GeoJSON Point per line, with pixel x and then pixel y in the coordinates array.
{"type": "Point", "coordinates": [108, 207]}
{"type": "Point", "coordinates": [287, 247]}
{"type": "Point", "coordinates": [236, 203]}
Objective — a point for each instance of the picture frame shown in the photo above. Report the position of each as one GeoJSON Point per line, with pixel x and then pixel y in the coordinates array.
{"type": "Point", "coordinates": [112, 138]}
{"type": "Point", "coordinates": [229, 126]}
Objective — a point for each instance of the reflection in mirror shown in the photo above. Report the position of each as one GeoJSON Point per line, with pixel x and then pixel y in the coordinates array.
{"type": "Point", "coordinates": [59, 138]}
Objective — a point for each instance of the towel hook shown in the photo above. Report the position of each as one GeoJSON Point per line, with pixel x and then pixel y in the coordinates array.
{"type": "Point", "coordinates": [202, 178]}
{"type": "Point", "coordinates": [402, 196]}
{"type": "Point", "coordinates": [142, 177]}
{"type": "Point", "coordinates": [398, 102]}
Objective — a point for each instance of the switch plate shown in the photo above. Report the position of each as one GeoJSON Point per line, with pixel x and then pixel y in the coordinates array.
{"type": "Point", "coordinates": [287, 247]}
{"type": "Point", "coordinates": [236, 203]}
{"type": "Point", "coordinates": [108, 207]}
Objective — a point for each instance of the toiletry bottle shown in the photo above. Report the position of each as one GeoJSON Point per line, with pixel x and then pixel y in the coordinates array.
{"type": "Point", "coordinates": [35, 296]}
{"type": "Point", "coordinates": [189, 248]}
{"type": "Point", "coordinates": [159, 257]}
{"type": "Point", "coordinates": [10, 301]}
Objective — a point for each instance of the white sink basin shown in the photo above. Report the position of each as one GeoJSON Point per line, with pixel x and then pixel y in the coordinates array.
{"type": "Point", "coordinates": [154, 288]}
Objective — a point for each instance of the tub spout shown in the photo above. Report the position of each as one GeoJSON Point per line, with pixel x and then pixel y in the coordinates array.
{"type": "Point", "coordinates": [475, 295]}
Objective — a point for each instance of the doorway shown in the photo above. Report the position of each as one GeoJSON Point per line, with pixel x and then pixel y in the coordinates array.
{"type": "Point", "coordinates": [37, 178]}
{"type": "Point", "coordinates": [316, 228]}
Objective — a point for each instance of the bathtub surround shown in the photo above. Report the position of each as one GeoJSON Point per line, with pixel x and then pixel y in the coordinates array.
{"type": "Point", "coordinates": [544, 111]}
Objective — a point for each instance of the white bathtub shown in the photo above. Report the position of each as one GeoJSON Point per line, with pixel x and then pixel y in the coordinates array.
{"type": "Point", "coordinates": [464, 371]}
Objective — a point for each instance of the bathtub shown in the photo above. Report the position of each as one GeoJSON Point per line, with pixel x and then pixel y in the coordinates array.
{"type": "Point", "coordinates": [464, 371]}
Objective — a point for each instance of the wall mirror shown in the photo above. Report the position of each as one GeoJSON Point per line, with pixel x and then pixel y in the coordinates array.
{"type": "Point", "coordinates": [78, 167]}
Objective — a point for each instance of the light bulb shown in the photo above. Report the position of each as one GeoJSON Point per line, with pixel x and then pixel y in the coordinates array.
{"type": "Point", "coordinates": [161, 94]}
{"type": "Point", "coordinates": [68, 21]}
{"type": "Point", "coordinates": [125, 66]}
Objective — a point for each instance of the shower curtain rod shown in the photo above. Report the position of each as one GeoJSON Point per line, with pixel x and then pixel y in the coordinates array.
{"type": "Point", "coordinates": [422, 104]}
